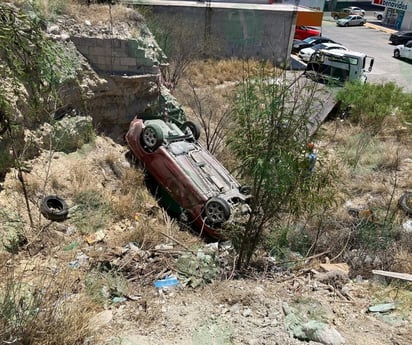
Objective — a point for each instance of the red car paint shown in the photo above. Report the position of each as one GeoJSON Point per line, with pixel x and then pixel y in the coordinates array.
{"type": "Point", "coordinates": [302, 32]}
{"type": "Point", "coordinates": [188, 172]}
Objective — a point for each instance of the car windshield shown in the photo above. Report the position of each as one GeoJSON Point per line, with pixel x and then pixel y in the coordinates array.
{"type": "Point", "coordinates": [310, 39]}
{"type": "Point", "coordinates": [318, 46]}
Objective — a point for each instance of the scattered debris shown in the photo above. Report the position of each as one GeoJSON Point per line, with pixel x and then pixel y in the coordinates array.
{"type": "Point", "coordinates": [344, 267]}
{"type": "Point", "coordinates": [403, 276]}
{"type": "Point", "coordinates": [311, 330]}
{"type": "Point", "coordinates": [95, 237]}
{"type": "Point", "coordinates": [407, 226]}
{"type": "Point", "coordinates": [168, 282]}
{"type": "Point", "coordinates": [361, 214]}
{"type": "Point", "coordinates": [381, 308]}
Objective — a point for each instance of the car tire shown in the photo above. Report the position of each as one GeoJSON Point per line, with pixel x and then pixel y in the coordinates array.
{"type": "Point", "coordinates": [346, 24]}
{"type": "Point", "coordinates": [245, 190]}
{"type": "Point", "coordinates": [54, 208]}
{"type": "Point", "coordinates": [193, 127]}
{"type": "Point", "coordinates": [216, 210]}
{"type": "Point", "coordinates": [396, 54]}
{"type": "Point", "coordinates": [405, 202]}
{"type": "Point", "coordinates": [379, 17]}
{"type": "Point", "coordinates": [336, 17]}
{"type": "Point", "coordinates": [152, 136]}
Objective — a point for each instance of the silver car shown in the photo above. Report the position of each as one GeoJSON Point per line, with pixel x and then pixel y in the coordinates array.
{"type": "Point", "coordinates": [351, 20]}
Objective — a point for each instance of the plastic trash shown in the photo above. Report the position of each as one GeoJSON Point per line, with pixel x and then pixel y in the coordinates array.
{"type": "Point", "coordinates": [119, 299]}
{"type": "Point", "coordinates": [166, 283]}
{"type": "Point", "coordinates": [382, 308]}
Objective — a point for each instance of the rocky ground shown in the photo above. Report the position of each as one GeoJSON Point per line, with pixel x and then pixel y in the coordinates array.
{"type": "Point", "coordinates": [269, 304]}
{"type": "Point", "coordinates": [272, 303]}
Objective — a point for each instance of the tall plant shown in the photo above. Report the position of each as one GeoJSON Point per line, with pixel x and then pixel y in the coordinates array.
{"type": "Point", "coordinates": [28, 71]}
{"type": "Point", "coordinates": [272, 116]}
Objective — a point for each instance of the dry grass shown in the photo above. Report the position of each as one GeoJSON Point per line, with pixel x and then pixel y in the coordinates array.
{"type": "Point", "coordinates": [219, 72]}
{"type": "Point", "coordinates": [132, 196]}
{"type": "Point", "coordinates": [42, 305]}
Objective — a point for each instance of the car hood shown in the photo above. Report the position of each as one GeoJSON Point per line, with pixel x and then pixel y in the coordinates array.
{"type": "Point", "coordinates": [207, 174]}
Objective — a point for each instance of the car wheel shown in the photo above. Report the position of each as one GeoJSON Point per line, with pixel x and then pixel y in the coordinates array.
{"type": "Point", "coordinates": [346, 24]}
{"type": "Point", "coordinates": [245, 190]}
{"type": "Point", "coordinates": [193, 127]}
{"type": "Point", "coordinates": [54, 208]}
{"type": "Point", "coordinates": [217, 210]}
{"type": "Point", "coordinates": [152, 136]}
{"type": "Point", "coordinates": [405, 202]}
{"type": "Point", "coordinates": [397, 53]}
{"type": "Point", "coordinates": [379, 17]}
{"type": "Point", "coordinates": [336, 17]}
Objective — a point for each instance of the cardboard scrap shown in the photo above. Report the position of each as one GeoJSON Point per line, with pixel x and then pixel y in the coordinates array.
{"type": "Point", "coordinates": [95, 237]}
{"type": "Point", "coordinates": [335, 267]}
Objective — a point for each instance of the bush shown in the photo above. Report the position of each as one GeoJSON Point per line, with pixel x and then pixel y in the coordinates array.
{"type": "Point", "coordinates": [371, 103]}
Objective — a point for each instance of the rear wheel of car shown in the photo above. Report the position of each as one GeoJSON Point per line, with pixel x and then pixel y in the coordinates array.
{"type": "Point", "coordinates": [336, 17]}
{"type": "Point", "coordinates": [217, 210]}
{"type": "Point", "coordinates": [379, 17]}
{"type": "Point", "coordinates": [397, 53]}
{"type": "Point", "coordinates": [194, 128]}
{"type": "Point", "coordinates": [152, 136]}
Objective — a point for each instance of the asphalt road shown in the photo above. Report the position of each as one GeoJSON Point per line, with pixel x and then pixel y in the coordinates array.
{"type": "Point", "coordinates": [374, 43]}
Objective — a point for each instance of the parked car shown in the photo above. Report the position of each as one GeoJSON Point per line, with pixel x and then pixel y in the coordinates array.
{"type": "Point", "coordinates": [342, 13]}
{"type": "Point", "coordinates": [378, 15]}
{"type": "Point", "coordinates": [302, 32]}
{"type": "Point", "coordinates": [403, 51]}
{"type": "Point", "coordinates": [306, 53]}
{"type": "Point", "coordinates": [400, 37]}
{"type": "Point", "coordinates": [205, 193]}
{"type": "Point", "coordinates": [357, 10]}
{"type": "Point", "coordinates": [351, 20]}
{"type": "Point", "coordinates": [309, 42]}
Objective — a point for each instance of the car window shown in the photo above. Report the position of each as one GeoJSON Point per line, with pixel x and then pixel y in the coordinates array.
{"type": "Point", "coordinates": [309, 39]}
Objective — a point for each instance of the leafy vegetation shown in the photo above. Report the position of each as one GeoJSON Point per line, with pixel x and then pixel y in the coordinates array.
{"type": "Point", "coordinates": [370, 104]}
{"type": "Point", "coordinates": [270, 140]}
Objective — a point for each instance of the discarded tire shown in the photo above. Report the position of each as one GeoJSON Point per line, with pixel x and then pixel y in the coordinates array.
{"type": "Point", "coordinates": [54, 208]}
{"type": "Point", "coordinates": [405, 202]}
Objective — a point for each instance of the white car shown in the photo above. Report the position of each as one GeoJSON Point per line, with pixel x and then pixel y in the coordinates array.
{"type": "Point", "coordinates": [403, 51]}
{"type": "Point", "coordinates": [357, 10]}
{"type": "Point", "coordinates": [306, 53]}
{"type": "Point", "coordinates": [378, 15]}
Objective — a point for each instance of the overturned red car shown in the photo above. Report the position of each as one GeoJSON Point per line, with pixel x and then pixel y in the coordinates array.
{"type": "Point", "coordinates": [206, 193]}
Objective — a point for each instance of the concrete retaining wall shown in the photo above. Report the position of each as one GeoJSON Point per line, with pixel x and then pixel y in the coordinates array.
{"type": "Point", "coordinates": [243, 33]}
{"type": "Point", "coordinates": [119, 57]}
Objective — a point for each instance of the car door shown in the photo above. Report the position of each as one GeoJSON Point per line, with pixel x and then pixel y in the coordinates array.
{"type": "Point", "coordinates": [357, 20]}
{"type": "Point", "coordinates": [408, 50]}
